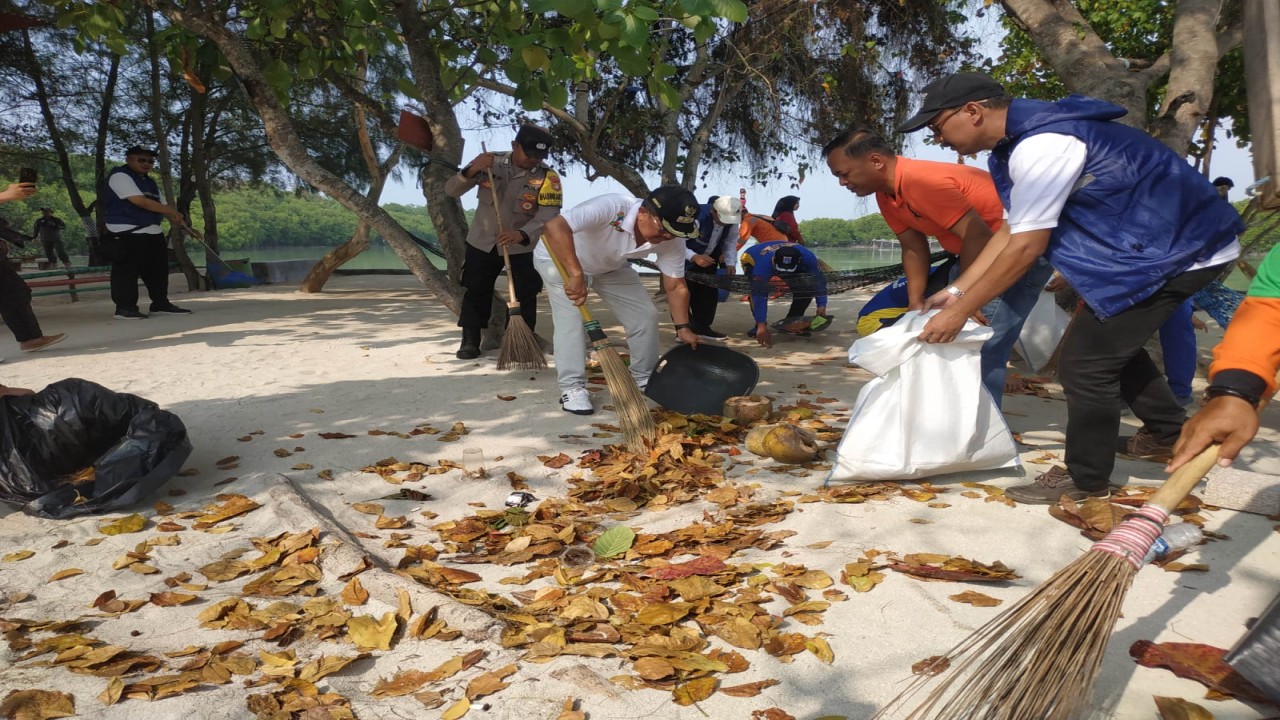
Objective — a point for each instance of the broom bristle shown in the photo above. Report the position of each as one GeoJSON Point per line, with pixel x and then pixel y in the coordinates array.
{"type": "Point", "coordinates": [633, 409]}
{"type": "Point", "coordinates": [520, 346]}
{"type": "Point", "coordinates": [1038, 659]}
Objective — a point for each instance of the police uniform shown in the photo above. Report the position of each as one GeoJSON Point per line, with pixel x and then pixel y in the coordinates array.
{"type": "Point", "coordinates": [527, 199]}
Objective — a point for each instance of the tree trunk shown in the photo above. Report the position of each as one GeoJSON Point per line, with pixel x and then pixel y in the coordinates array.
{"type": "Point", "coordinates": [336, 258]}
{"type": "Point", "coordinates": [359, 242]}
{"type": "Point", "coordinates": [284, 141]}
{"type": "Point", "coordinates": [1086, 65]}
{"type": "Point", "coordinates": [55, 136]}
{"type": "Point", "coordinates": [162, 149]}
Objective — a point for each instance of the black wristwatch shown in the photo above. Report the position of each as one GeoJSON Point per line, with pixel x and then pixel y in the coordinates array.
{"type": "Point", "coordinates": [681, 326]}
{"type": "Point", "coordinates": [524, 235]}
{"type": "Point", "coordinates": [1214, 391]}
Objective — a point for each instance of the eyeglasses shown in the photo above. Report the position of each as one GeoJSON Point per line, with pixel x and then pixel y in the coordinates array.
{"type": "Point", "coordinates": [935, 127]}
{"type": "Point", "coordinates": [662, 233]}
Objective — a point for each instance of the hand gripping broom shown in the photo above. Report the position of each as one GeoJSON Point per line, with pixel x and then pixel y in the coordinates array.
{"type": "Point", "coordinates": [633, 409]}
{"type": "Point", "coordinates": [519, 345]}
{"type": "Point", "coordinates": [1039, 659]}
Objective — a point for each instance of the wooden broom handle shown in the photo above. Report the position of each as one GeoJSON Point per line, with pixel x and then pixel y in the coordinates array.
{"type": "Point", "coordinates": [1180, 483]}
{"type": "Point", "coordinates": [586, 314]}
{"type": "Point", "coordinates": [497, 216]}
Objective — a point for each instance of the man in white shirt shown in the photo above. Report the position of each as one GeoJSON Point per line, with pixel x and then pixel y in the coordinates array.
{"type": "Point", "coordinates": [593, 242]}
{"type": "Point", "coordinates": [1126, 221]}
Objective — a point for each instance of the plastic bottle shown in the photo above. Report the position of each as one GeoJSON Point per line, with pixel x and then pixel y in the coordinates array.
{"type": "Point", "coordinates": [1178, 536]}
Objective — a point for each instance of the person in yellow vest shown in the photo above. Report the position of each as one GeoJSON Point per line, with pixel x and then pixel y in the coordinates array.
{"type": "Point", "coordinates": [529, 194]}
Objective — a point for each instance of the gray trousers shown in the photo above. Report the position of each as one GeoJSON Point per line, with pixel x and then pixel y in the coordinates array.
{"type": "Point", "coordinates": [622, 291]}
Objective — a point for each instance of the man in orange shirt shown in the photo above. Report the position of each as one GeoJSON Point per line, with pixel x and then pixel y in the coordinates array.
{"type": "Point", "coordinates": [955, 203]}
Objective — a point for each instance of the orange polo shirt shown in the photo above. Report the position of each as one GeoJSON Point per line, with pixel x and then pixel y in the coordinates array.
{"type": "Point", "coordinates": [759, 227]}
{"type": "Point", "coordinates": [933, 196]}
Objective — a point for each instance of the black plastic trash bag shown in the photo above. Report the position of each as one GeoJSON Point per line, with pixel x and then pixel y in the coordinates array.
{"type": "Point", "coordinates": [689, 380]}
{"type": "Point", "coordinates": [133, 446]}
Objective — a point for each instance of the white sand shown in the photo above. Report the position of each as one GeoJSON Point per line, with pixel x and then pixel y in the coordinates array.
{"type": "Point", "coordinates": [376, 353]}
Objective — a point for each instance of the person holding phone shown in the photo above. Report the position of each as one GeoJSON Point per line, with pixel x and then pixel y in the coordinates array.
{"type": "Point", "coordinates": [134, 242]}
{"type": "Point", "coordinates": [15, 296]}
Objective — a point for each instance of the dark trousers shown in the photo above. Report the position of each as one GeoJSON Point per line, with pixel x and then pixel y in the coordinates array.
{"type": "Point", "coordinates": [55, 250]}
{"type": "Point", "coordinates": [139, 255]}
{"type": "Point", "coordinates": [15, 304]}
{"type": "Point", "coordinates": [1103, 365]}
{"type": "Point", "coordinates": [480, 270]}
{"type": "Point", "coordinates": [704, 299]}
{"type": "Point", "coordinates": [800, 298]}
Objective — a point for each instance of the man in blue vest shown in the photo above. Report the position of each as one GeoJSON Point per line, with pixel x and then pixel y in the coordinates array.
{"type": "Point", "coordinates": [134, 241]}
{"type": "Point", "coordinates": [1124, 219]}
{"type": "Point", "coordinates": [715, 247]}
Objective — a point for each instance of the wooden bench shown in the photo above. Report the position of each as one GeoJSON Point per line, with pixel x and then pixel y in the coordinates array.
{"type": "Point", "coordinates": [71, 281]}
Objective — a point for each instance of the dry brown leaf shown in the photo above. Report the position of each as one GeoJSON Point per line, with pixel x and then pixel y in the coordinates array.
{"type": "Point", "coordinates": [932, 665]}
{"type": "Point", "coordinates": [19, 555]}
{"type": "Point", "coordinates": [821, 649]}
{"type": "Point", "coordinates": [353, 593]}
{"type": "Point", "coordinates": [654, 668]}
{"type": "Point", "coordinates": [37, 705]}
{"type": "Point", "coordinates": [489, 683]}
{"type": "Point", "coordinates": [402, 683]}
{"type": "Point", "coordinates": [128, 524]}
{"type": "Point", "coordinates": [748, 689]}
{"type": "Point", "coordinates": [111, 694]}
{"type": "Point", "coordinates": [368, 508]}
{"type": "Point", "coordinates": [457, 710]}
{"type": "Point", "coordinates": [568, 713]}
{"type": "Point", "coordinates": [370, 634]}
{"type": "Point", "coordinates": [386, 523]}
{"type": "Point", "coordinates": [975, 599]}
{"type": "Point", "coordinates": [64, 574]}
{"type": "Point", "coordinates": [1179, 709]}
{"type": "Point", "coordinates": [694, 691]}
{"type": "Point", "coordinates": [169, 599]}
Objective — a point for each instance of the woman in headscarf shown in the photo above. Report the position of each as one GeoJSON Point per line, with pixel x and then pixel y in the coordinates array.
{"type": "Point", "coordinates": [784, 212]}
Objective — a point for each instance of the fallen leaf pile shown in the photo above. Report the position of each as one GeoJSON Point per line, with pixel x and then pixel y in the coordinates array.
{"type": "Point", "coordinates": [934, 566]}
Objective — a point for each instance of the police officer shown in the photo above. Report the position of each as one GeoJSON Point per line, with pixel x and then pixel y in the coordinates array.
{"type": "Point", "coordinates": [529, 195]}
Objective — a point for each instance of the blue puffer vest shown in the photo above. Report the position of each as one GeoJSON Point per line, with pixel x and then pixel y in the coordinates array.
{"type": "Point", "coordinates": [1139, 215]}
{"type": "Point", "coordinates": [122, 212]}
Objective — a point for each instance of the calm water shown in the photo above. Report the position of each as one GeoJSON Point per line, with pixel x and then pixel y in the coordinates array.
{"type": "Point", "coordinates": [381, 257]}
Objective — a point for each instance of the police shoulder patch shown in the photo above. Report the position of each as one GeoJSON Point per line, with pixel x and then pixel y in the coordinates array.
{"type": "Point", "coordinates": [550, 195]}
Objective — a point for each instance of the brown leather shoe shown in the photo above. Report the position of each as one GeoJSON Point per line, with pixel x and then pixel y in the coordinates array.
{"type": "Point", "coordinates": [1144, 446]}
{"type": "Point", "coordinates": [43, 342]}
{"type": "Point", "coordinates": [1049, 487]}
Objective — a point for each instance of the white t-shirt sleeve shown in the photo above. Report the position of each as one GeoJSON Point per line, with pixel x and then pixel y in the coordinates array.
{"type": "Point", "coordinates": [593, 213]}
{"type": "Point", "coordinates": [671, 258]}
{"type": "Point", "coordinates": [124, 186]}
{"type": "Point", "coordinates": [1044, 169]}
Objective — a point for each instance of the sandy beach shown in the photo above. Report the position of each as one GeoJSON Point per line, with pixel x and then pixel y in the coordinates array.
{"type": "Point", "coordinates": [258, 374]}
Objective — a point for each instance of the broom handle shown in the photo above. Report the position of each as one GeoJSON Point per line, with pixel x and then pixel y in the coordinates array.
{"type": "Point", "coordinates": [497, 216]}
{"type": "Point", "coordinates": [586, 314]}
{"type": "Point", "coordinates": [1180, 483]}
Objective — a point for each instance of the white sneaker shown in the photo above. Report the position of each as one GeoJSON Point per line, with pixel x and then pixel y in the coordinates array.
{"type": "Point", "coordinates": [577, 401]}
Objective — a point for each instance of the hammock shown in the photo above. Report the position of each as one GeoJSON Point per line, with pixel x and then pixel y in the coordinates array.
{"type": "Point", "coordinates": [804, 284]}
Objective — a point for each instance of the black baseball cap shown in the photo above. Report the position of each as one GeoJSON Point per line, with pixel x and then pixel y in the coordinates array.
{"type": "Point", "coordinates": [139, 150]}
{"type": "Point", "coordinates": [952, 91]}
{"type": "Point", "coordinates": [534, 140]}
{"type": "Point", "coordinates": [787, 259]}
{"type": "Point", "coordinates": [676, 208]}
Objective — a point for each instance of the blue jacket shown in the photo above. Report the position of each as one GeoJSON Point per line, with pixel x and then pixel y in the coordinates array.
{"type": "Point", "coordinates": [1139, 215]}
{"type": "Point", "coordinates": [725, 235]}
{"type": "Point", "coordinates": [119, 211]}
{"type": "Point", "coordinates": [757, 261]}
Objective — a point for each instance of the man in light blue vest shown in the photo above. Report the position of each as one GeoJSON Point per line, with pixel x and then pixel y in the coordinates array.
{"type": "Point", "coordinates": [1125, 220]}
{"type": "Point", "coordinates": [134, 242]}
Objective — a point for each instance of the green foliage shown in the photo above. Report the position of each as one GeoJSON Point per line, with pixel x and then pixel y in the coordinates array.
{"type": "Point", "coordinates": [838, 232]}
{"type": "Point", "coordinates": [267, 217]}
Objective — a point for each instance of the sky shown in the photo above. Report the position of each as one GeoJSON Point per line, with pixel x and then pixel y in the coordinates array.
{"type": "Point", "coordinates": [820, 195]}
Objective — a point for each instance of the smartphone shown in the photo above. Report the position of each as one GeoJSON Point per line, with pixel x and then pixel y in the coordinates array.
{"type": "Point", "coordinates": [27, 175]}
